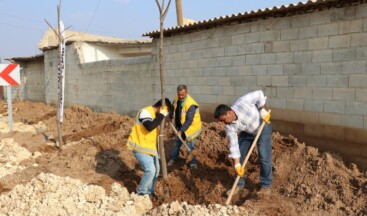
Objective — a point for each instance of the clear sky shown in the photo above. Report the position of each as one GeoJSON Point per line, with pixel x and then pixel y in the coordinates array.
{"type": "Point", "coordinates": [22, 21]}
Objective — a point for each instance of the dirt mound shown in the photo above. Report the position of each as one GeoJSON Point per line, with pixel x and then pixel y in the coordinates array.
{"type": "Point", "coordinates": [305, 180]}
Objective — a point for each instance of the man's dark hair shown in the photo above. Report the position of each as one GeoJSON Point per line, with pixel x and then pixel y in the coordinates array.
{"type": "Point", "coordinates": [221, 110]}
{"type": "Point", "coordinates": [159, 104]}
{"type": "Point", "coordinates": [181, 87]}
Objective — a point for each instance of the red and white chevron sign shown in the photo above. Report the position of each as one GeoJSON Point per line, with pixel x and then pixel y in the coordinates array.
{"type": "Point", "coordinates": [9, 74]}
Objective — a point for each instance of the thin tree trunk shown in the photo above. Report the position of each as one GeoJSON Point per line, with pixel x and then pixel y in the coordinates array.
{"type": "Point", "coordinates": [179, 12]}
{"type": "Point", "coordinates": [59, 124]}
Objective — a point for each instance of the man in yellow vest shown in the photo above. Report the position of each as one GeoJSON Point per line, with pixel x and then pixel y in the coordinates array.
{"type": "Point", "coordinates": [187, 120]}
{"type": "Point", "coordinates": [143, 142]}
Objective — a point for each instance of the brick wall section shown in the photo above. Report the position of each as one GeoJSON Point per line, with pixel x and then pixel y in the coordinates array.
{"type": "Point", "coordinates": [122, 86]}
{"type": "Point", "coordinates": [311, 66]}
{"type": "Point", "coordinates": [34, 88]}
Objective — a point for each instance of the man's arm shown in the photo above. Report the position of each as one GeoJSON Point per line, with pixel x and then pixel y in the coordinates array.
{"type": "Point", "coordinates": [255, 97]}
{"type": "Point", "coordinates": [189, 118]}
{"type": "Point", "coordinates": [149, 123]}
{"type": "Point", "coordinates": [234, 148]}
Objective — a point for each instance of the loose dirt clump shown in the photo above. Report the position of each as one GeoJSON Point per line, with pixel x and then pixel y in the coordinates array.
{"type": "Point", "coordinates": [305, 181]}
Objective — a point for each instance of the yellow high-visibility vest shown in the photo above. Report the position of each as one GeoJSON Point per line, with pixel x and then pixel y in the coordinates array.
{"type": "Point", "coordinates": [194, 129]}
{"type": "Point", "coordinates": [142, 140]}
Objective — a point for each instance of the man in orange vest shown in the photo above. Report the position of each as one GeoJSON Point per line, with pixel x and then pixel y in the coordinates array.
{"type": "Point", "coordinates": [187, 120]}
{"type": "Point", "coordinates": [143, 142]}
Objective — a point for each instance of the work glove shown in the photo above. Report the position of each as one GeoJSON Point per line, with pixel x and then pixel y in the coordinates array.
{"type": "Point", "coordinates": [164, 111]}
{"type": "Point", "coordinates": [265, 115]}
{"type": "Point", "coordinates": [239, 170]}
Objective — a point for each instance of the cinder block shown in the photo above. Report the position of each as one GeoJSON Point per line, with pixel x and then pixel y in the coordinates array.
{"type": "Point", "coordinates": [361, 94]}
{"type": "Point", "coordinates": [258, 69]}
{"type": "Point", "coordinates": [205, 90]}
{"type": "Point", "coordinates": [268, 58]}
{"type": "Point", "coordinates": [358, 80]}
{"type": "Point", "coordinates": [270, 35]}
{"type": "Point", "coordinates": [257, 48]}
{"type": "Point", "coordinates": [281, 46]}
{"type": "Point", "coordinates": [339, 41]}
{"type": "Point", "coordinates": [270, 91]}
{"type": "Point", "coordinates": [241, 90]}
{"type": "Point", "coordinates": [302, 56]}
{"type": "Point", "coordinates": [318, 43]}
{"type": "Point", "coordinates": [316, 80]}
{"type": "Point", "coordinates": [289, 34]}
{"type": "Point", "coordinates": [275, 70]}
{"type": "Point", "coordinates": [228, 61]}
{"type": "Point", "coordinates": [245, 70]}
{"type": "Point", "coordinates": [263, 80]}
{"type": "Point", "coordinates": [365, 24]}
{"type": "Point", "coordinates": [361, 53]}
{"type": "Point", "coordinates": [279, 80]}
{"type": "Point", "coordinates": [337, 80]}
{"type": "Point", "coordinates": [285, 92]}
{"type": "Point", "coordinates": [323, 131]}
{"type": "Point", "coordinates": [253, 59]}
{"type": "Point", "coordinates": [352, 26]}
{"type": "Point", "coordinates": [345, 94]}
{"type": "Point", "coordinates": [227, 41]}
{"type": "Point", "coordinates": [328, 29]}
{"type": "Point", "coordinates": [230, 51]}
{"type": "Point", "coordinates": [276, 114]}
{"type": "Point", "coordinates": [297, 80]}
{"type": "Point", "coordinates": [320, 18]}
{"type": "Point", "coordinates": [329, 119]}
{"type": "Point", "coordinates": [344, 54]}
{"type": "Point", "coordinates": [322, 55]}
{"type": "Point", "coordinates": [244, 49]}
{"type": "Point", "coordinates": [252, 37]}
{"type": "Point", "coordinates": [284, 58]}
{"type": "Point", "coordinates": [298, 45]}
{"type": "Point", "coordinates": [238, 60]}
{"type": "Point", "coordinates": [275, 102]}
{"type": "Point", "coordinates": [331, 68]}
{"type": "Point", "coordinates": [352, 121]}
{"type": "Point", "coordinates": [294, 104]}
{"type": "Point", "coordinates": [243, 80]}
{"type": "Point", "coordinates": [308, 117]}
{"type": "Point", "coordinates": [359, 39]}
{"type": "Point", "coordinates": [354, 67]}
{"type": "Point", "coordinates": [356, 136]}
{"type": "Point", "coordinates": [334, 106]}
{"type": "Point", "coordinates": [229, 90]}
{"type": "Point", "coordinates": [291, 115]}
{"type": "Point", "coordinates": [282, 23]}
{"type": "Point", "coordinates": [307, 32]}
{"type": "Point", "coordinates": [300, 20]}
{"type": "Point", "coordinates": [303, 92]}
{"type": "Point", "coordinates": [322, 93]}
{"type": "Point", "coordinates": [217, 90]}
{"type": "Point", "coordinates": [237, 39]}
{"type": "Point", "coordinates": [356, 108]}
{"type": "Point", "coordinates": [365, 122]}
{"type": "Point", "coordinates": [361, 11]}
{"type": "Point", "coordinates": [290, 69]}
{"type": "Point", "coordinates": [311, 68]}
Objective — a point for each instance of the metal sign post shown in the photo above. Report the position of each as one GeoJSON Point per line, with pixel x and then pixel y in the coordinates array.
{"type": "Point", "coordinates": [10, 109]}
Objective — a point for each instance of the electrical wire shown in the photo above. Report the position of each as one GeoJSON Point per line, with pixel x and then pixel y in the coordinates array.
{"type": "Point", "coordinates": [94, 13]}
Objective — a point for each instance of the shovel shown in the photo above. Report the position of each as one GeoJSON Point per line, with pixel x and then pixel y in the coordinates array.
{"type": "Point", "coordinates": [245, 161]}
{"type": "Point", "coordinates": [190, 153]}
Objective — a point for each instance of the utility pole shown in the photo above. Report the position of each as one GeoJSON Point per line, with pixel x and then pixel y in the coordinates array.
{"type": "Point", "coordinates": [179, 12]}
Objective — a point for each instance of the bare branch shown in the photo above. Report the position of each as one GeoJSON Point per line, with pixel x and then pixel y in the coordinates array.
{"type": "Point", "coordinates": [159, 6]}
{"type": "Point", "coordinates": [52, 28]}
{"type": "Point", "coordinates": [166, 10]}
{"type": "Point", "coordinates": [69, 36]}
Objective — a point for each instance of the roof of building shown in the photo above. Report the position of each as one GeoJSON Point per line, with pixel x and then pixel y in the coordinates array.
{"type": "Point", "coordinates": [250, 16]}
{"type": "Point", "coordinates": [26, 58]}
{"type": "Point", "coordinates": [49, 39]}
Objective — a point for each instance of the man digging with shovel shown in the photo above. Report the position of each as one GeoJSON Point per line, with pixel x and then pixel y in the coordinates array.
{"type": "Point", "coordinates": [242, 122]}
{"type": "Point", "coordinates": [186, 117]}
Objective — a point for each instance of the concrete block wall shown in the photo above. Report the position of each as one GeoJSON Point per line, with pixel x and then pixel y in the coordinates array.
{"type": "Point", "coordinates": [123, 86]}
{"type": "Point", "coordinates": [312, 67]}
{"type": "Point", "coordinates": [34, 88]}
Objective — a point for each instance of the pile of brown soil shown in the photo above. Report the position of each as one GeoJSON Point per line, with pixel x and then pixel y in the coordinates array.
{"type": "Point", "coordinates": [305, 180]}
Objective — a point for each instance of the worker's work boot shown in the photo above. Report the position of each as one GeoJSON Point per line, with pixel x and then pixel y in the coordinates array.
{"type": "Point", "coordinates": [170, 162]}
{"type": "Point", "coordinates": [238, 189]}
{"type": "Point", "coordinates": [263, 192]}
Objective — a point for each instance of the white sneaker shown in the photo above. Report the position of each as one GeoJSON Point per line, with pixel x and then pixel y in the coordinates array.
{"type": "Point", "coordinates": [193, 166]}
{"type": "Point", "coordinates": [170, 162]}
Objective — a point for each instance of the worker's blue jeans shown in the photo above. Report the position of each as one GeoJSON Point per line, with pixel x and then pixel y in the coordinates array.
{"type": "Point", "coordinates": [177, 146]}
{"type": "Point", "coordinates": [150, 165]}
{"type": "Point", "coordinates": [264, 148]}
